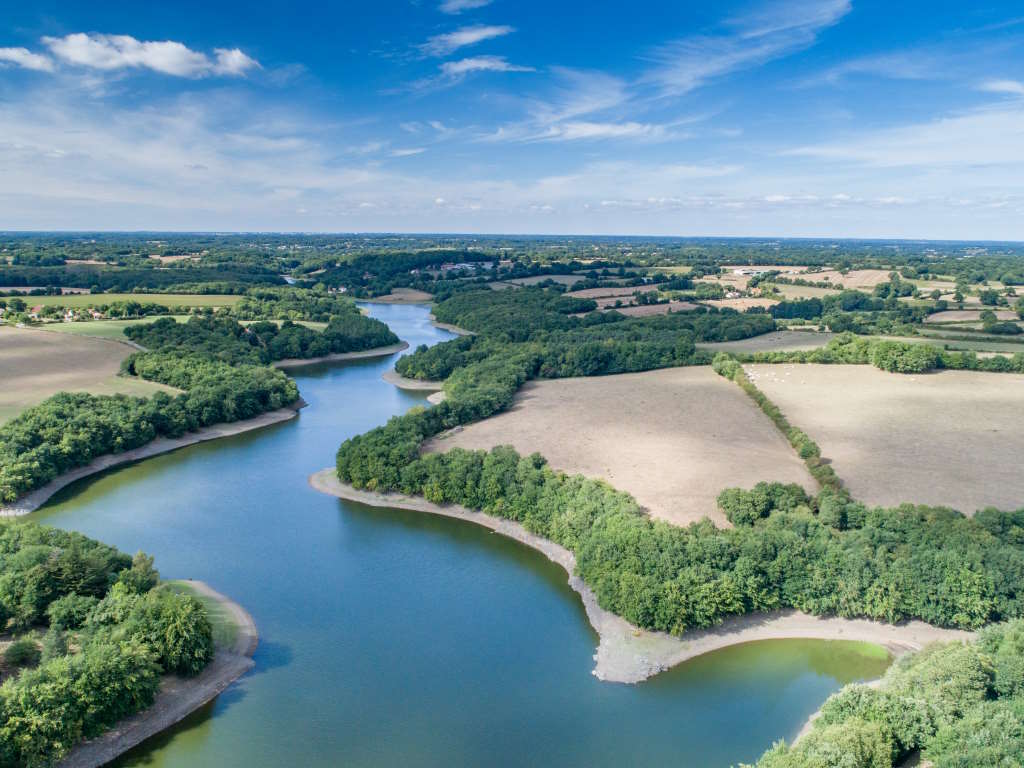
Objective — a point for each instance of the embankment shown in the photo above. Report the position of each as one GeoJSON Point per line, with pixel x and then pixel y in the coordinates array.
{"type": "Point", "coordinates": [178, 697]}
{"type": "Point", "coordinates": [628, 654]}
{"type": "Point", "coordinates": [298, 362]}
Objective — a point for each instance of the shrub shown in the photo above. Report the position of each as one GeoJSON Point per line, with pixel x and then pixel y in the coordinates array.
{"type": "Point", "coordinates": [23, 652]}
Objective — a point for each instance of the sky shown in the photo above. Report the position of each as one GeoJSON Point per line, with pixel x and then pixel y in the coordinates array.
{"type": "Point", "coordinates": [815, 118]}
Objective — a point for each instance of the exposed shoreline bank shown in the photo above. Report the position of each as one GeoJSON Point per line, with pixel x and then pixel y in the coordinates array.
{"type": "Point", "coordinates": [32, 500]}
{"type": "Point", "coordinates": [299, 362]}
{"type": "Point", "coordinates": [178, 697]}
{"type": "Point", "coordinates": [450, 328]}
{"type": "Point", "coordinates": [400, 381]}
{"type": "Point", "coordinates": [628, 654]}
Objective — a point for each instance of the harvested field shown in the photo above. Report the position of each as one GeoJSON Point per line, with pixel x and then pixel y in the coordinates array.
{"type": "Point", "coordinates": [36, 364]}
{"type": "Point", "coordinates": [403, 296]}
{"type": "Point", "coordinates": [673, 438]}
{"type": "Point", "coordinates": [804, 291]}
{"type": "Point", "coordinates": [776, 341]}
{"type": "Point", "coordinates": [740, 304]}
{"type": "Point", "coordinates": [166, 299]}
{"type": "Point", "coordinates": [952, 438]}
{"type": "Point", "coordinates": [860, 279]}
{"type": "Point", "coordinates": [562, 279]}
{"type": "Point", "coordinates": [967, 316]}
{"type": "Point", "coordinates": [649, 310]}
{"type": "Point", "coordinates": [626, 290]}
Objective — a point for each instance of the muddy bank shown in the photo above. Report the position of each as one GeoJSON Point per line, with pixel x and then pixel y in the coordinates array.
{"type": "Point", "coordinates": [298, 362]}
{"type": "Point", "coordinates": [400, 381]}
{"type": "Point", "coordinates": [450, 328]}
{"type": "Point", "coordinates": [628, 654]}
{"type": "Point", "coordinates": [32, 500]}
{"type": "Point", "coordinates": [178, 697]}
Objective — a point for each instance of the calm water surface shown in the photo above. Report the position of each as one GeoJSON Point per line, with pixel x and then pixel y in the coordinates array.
{"type": "Point", "coordinates": [394, 638]}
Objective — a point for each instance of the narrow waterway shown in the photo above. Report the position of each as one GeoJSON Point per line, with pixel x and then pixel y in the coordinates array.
{"type": "Point", "coordinates": [394, 638]}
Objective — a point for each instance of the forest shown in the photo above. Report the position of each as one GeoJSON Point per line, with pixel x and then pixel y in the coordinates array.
{"type": "Point", "coordinates": [957, 705]}
{"type": "Point", "coordinates": [94, 631]}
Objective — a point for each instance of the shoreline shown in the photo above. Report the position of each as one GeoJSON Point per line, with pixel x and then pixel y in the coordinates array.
{"type": "Point", "coordinates": [34, 499]}
{"type": "Point", "coordinates": [628, 654]}
{"type": "Point", "coordinates": [299, 362]}
{"type": "Point", "coordinates": [178, 697]}
{"type": "Point", "coordinates": [450, 328]}
{"type": "Point", "coordinates": [422, 385]}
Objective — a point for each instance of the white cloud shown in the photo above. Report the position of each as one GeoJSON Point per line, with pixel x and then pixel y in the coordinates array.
{"type": "Point", "coordinates": [458, 6]}
{"type": "Point", "coordinates": [442, 45]}
{"type": "Point", "coordinates": [111, 52]}
{"type": "Point", "coordinates": [24, 58]}
{"type": "Point", "coordinates": [407, 152]}
{"type": "Point", "coordinates": [987, 137]}
{"type": "Point", "coordinates": [776, 29]}
{"type": "Point", "coordinates": [233, 62]}
{"type": "Point", "coordinates": [1010, 87]}
{"type": "Point", "coordinates": [462, 67]}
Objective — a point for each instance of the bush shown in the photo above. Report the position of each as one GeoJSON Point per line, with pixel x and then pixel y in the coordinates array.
{"type": "Point", "coordinates": [70, 611]}
{"type": "Point", "coordinates": [23, 652]}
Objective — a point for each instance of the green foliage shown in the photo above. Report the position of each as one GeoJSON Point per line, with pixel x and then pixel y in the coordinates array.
{"type": "Point", "coordinates": [946, 701]}
{"type": "Point", "coordinates": [124, 635]}
{"type": "Point", "coordinates": [23, 652]}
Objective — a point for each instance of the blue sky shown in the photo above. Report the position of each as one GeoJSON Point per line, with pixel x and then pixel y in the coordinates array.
{"type": "Point", "coordinates": [785, 117]}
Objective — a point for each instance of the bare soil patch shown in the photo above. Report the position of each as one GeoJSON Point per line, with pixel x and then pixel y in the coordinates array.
{"type": "Point", "coordinates": [674, 438]}
{"type": "Point", "coordinates": [36, 364]}
{"type": "Point", "coordinates": [952, 438]}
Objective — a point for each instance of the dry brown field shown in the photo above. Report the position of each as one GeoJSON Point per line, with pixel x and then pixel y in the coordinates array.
{"type": "Point", "coordinates": [35, 364]}
{"type": "Point", "coordinates": [952, 438]}
{"type": "Point", "coordinates": [597, 293]}
{"type": "Point", "coordinates": [674, 438]}
{"type": "Point", "coordinates": [649, 310]}
{"type": "Point", "coordinates": [861, 279]}
{"type": "Point", "coordinates": [563, 279]}
{"type": "Point", "coordinates": [404, 296]}
{"type": "Point", "coordinates": [740, 304]}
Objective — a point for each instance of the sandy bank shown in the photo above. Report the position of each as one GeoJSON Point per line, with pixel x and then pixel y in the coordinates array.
{"type": "Point", "coordinates": [35, 499]}
{"type": "Point", "coordinates": [436, 398]}
{"type": "Point", "coordinates": [400, 381]}
{"type": "Point", "coordinates": [628, 654]}
{"type": "Point", "coordinates": [450, 328]}
{"type": "Point", "coordinates": [298, 362]}
{"type": "Point", "coordinates": [178, 697]}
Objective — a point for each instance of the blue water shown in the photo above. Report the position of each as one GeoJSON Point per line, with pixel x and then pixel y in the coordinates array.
{"type": "Point", "coordinates": [393, 638]}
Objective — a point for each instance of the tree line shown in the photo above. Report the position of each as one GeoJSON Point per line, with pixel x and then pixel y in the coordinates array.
{"type": "Point", "coordinates": [97, 631]}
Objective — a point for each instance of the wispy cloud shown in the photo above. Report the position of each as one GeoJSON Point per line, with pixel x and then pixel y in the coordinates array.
{"type": "Point", "coordinates": [458, 6]}
{"type": "Point", "coordinates": [442, 45]}
{"type": "Point", "coordinates": [24, 58]}
{"type": "Point", "coordinates": [463, 67]}
{"type": "Point", "coordinates": [893, 66]}
{"type": "Point", "coordinates": [1009, 87]}
{"type": "Point", "coordinates": [407, 152]}
{"type": "Point", "coordinates": [766, 33]}
{"type": "Point", "coordinates": [112, 52]}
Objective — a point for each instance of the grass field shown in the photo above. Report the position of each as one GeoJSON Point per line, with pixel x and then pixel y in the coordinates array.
{"type": "Point", "coordinates": [804, 291]}
{"type": "Point", "coordinates": [167, 299]}
{"type": "Point", "coordinates": [224, 628]}
{"type": "Point", "coordinates": [105, 329]}
{"type": "Point", "coordinates": [952, 438]}
{"type": "Point", "coordinates": [37, 364]}
{"type": "Point", "coordinates": [673, 438]}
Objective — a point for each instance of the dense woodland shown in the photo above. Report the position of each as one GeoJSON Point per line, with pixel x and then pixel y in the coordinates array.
{"type": "Point", "coordinates": [94, 631]}
{"type": "Point", "coordinates": [218, 362]}
{"type": "Point", "coordinates": [958, 705]}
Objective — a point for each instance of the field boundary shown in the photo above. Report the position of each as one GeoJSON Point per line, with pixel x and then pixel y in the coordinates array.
{"type": "Point", "coordinates": [728, 367]}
